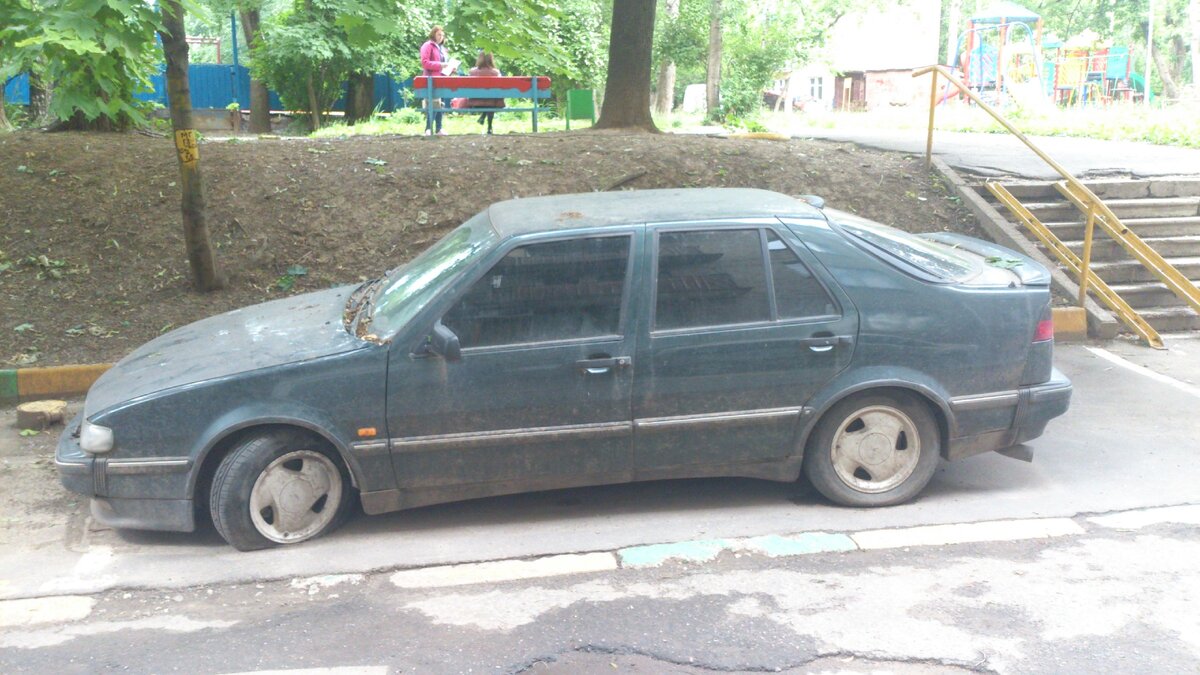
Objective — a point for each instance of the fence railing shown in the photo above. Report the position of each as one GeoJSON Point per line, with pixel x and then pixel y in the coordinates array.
{"type": "Point", "coordinates": [1095, 210]}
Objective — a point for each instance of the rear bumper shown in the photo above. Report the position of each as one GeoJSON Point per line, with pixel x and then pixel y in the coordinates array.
{"type": "Point", "coordinates": [1031, 409]}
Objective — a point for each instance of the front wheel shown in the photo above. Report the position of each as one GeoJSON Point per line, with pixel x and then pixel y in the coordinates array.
{"type": "Point", "coordinates": [279, 487]}
{"type": "Point", "coordinates": [873, 449]}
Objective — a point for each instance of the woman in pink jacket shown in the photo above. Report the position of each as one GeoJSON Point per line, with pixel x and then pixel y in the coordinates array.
{"type": "Point", "coordinates": [433, 59]}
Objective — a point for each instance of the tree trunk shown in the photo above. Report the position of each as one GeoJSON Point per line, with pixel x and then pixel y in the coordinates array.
{"type": "Point", "coordinates": [205, 276]}
{"type": "Point", "coordinates": [360, 98]}
{"type": "Point", "coordinates": [5, 125]}
{"type": "Point", "coordinates": [630, 52]}
{"type": "Point", "coordinates": [712, 81]}
{"type": "Point", "coordinates": [1194, 12]}
{"type": "Point", "coordinates": [260, 98]}
{"type": "Point", "coordinates": [40, 92]}
{"type": "Point", "coordinates": [1170, 89]}
{"type": "Point", "coordinates": [314, 106]}
{"type": "Point", "coordinates": [664, 102]}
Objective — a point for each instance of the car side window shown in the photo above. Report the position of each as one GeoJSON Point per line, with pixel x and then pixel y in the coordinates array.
{"type": "Point", "coordinates": [798, 294]}
{"type": "Point", "coordinates": [710, 278]}
{"type": "Point", "coordinates": [543, 292]}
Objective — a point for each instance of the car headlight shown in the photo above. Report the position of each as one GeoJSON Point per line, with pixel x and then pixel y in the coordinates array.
{"type": "Point", "coordinates": [94, 438]}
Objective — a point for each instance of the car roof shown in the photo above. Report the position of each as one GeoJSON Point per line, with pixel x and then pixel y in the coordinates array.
{"type": "Point", "coordinates": [600, 209]}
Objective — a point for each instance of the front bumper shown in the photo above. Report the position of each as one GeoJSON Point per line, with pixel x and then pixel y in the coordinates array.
{"type": "Point", "coordinates": [117, 487]}
{"type": "Point", "coordinates": [1029, 409]}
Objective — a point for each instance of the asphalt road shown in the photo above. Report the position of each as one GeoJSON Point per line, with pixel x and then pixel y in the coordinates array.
{"type": "Point", "coordinates": [1117, 596]}
{"type": "Point", "coordinates": [1128, 441]}
{"type": "Point", "coordinates": [1004, 155]}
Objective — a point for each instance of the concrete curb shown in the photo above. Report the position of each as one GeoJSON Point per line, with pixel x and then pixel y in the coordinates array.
{"type": "Point", "coordinates": [1100, 322]}
{"type": "Point", "coordinates": [31, 384]}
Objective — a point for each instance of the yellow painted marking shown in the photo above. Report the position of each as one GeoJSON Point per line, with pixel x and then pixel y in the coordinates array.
{"type": "Point", "coordinates": [186, 145]}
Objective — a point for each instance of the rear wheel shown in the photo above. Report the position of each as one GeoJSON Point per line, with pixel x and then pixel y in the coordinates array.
{"type": "Point", "coordinates": [873, 449]}
{"type": "Point", "coordinates": [279, 487]}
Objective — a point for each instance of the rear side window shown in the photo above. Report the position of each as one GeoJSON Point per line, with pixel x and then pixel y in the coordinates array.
{"type": "Point", "coordinates": [798, 294]}
{"type": "Point", "coordinates": [938, 261]}
{"type": "Point", "coordinates": [710, 278]}
{"type": "Point", "coordinates": [546, 292]}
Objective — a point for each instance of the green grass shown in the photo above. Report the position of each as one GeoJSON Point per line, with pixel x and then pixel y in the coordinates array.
{"type": "Point", "coordinates": [1174, 125]}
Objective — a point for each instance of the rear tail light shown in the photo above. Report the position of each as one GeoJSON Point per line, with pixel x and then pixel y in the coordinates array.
{"type": "Point", "coordinates": [1045, 327]}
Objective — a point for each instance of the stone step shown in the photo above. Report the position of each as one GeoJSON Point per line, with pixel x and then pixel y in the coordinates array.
{"type": "Point", "coordinates": [1167, 207]}
{"type": "Point", "coordinates": [1148, 294]}
{"type": "Point", "coordinates": [1130, 271]}
{"type": "Point", "coordinates": [1171, 319]}
{"type": "Point", "coordinates": [1142, 227]}
{"type": "Point", "coordinates": [1113, 189]}
{"type": "Point", "coordinates": [1107, 248]}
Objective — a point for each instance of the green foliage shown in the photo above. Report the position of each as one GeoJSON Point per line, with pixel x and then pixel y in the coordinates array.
{"type": "Point", "coordinates": [99, 53]}
{"type": "Point", "coordinates": [513, 30]}
{"type": "Point", "coordinates": [325, 41]}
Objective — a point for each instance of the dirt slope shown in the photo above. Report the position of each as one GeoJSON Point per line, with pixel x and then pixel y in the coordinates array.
{"type": "Point", "coordinates": [91, 250]}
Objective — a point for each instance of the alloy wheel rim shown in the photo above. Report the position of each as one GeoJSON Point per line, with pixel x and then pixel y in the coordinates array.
{"type": "Point", "coordinates": [876, 449]}
{"type": "Point", "coordinates": [295, 497]}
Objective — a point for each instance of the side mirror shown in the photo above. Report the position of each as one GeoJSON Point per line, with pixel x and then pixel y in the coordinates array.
{"type": "Point", "coordinates": [444, 343]}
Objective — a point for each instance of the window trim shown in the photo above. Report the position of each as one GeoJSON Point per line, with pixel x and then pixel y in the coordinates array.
{"type": "Point", "coordinates": [514, 243]}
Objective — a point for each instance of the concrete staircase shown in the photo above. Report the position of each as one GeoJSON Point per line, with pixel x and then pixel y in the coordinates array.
{"type": "Point", "coordinates": [1165, 213]}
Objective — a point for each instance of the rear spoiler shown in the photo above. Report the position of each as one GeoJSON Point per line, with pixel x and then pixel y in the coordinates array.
{"type": "Point", "coordinates": [1028, 270]}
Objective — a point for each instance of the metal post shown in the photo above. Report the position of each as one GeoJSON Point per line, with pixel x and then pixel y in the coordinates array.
{"type": "Point", "coordinates": [236, 79]}
{"type": "Point", "coordinates": [1085, 271]}
{"type": "Point", "coordinates": [932, 105]}
{"type": "Point", "coordinates": [429, 103]}
{"type": "Point", "coordinates": [1149, 56]}
{"type": "Point", "coordinates": [535, 103]}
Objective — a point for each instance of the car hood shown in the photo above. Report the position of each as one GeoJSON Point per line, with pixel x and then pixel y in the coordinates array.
{"type": "Point", "coordinates": [274, 333]}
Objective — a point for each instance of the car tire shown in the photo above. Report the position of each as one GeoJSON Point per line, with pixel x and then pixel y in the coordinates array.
{"type": "Point", "coordinates": [279, 487]}
{"type": "Point", "coordinates": [873, 449]}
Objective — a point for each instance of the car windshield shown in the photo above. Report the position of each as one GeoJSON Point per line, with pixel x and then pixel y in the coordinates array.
{"type": "Point", "coordinates": [408, 288]}
{"type": "Point", "coordinates": [938, 260]}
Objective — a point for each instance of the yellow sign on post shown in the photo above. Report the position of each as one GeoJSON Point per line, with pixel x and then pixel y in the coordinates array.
{"type": "Point", "coordinates": [186, 145]}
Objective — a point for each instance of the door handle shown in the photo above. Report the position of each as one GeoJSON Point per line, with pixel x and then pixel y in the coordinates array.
{"type": "Point", "coordinates": [599, 366]}
{"type": "Point", "coordinates": [826, 343]}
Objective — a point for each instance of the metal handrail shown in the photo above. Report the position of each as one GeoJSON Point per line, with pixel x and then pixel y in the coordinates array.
{"type": "Point", "coordinates": [1096, 211]}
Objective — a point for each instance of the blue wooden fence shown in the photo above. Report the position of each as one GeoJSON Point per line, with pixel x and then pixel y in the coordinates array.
{"type": "Point", "coordinates": [216, 86]}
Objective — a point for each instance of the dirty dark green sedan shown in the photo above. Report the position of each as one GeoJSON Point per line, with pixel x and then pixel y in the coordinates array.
{"type": "Point", "coordinates": [581, 340]}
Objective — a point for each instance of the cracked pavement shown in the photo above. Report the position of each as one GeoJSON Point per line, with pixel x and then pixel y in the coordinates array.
{"type": "Point", "coordinates": [1110, 599]}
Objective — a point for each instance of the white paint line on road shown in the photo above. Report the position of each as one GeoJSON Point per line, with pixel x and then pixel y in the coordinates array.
{"type": "Point", "coordinates": [966, 533]}
{"type": "Point", "coordinates": [1142, 370]}
{"type": "Point", "coordinates": [341, 670]}
{"type": "Point", "coordinates": [344, 670]}
{"type": "Point", "coordinates": [59, 609]}
{"type": "Point", "coordinates": [56, 635]}
{"type": "Point", "coordinates": [504, 570]}
{"type": "Point", "coordinates": [1134, 520]}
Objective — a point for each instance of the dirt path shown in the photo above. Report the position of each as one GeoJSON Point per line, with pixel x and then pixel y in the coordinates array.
{"type": "Point", "coordinates": [91, 252]}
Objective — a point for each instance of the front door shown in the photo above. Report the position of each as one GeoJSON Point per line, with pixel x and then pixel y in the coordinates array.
{"type": "Point", "coordinates": [742, 334]}
{"type": "Point", "coordinates": [540, 398]}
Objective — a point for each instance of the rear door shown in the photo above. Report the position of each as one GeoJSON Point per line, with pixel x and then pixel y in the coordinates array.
{"type": "Point", "coordinates": [742, 332]}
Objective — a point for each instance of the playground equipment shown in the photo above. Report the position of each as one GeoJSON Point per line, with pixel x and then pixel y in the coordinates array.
{"type": "Point", "coordinates": [1001, 54]}
{"type": "Point", "coordinates": [1095, 76]}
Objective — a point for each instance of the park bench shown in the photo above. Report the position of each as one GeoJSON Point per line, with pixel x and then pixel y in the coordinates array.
{"type": "Point", "coordinates": [535, 88]}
